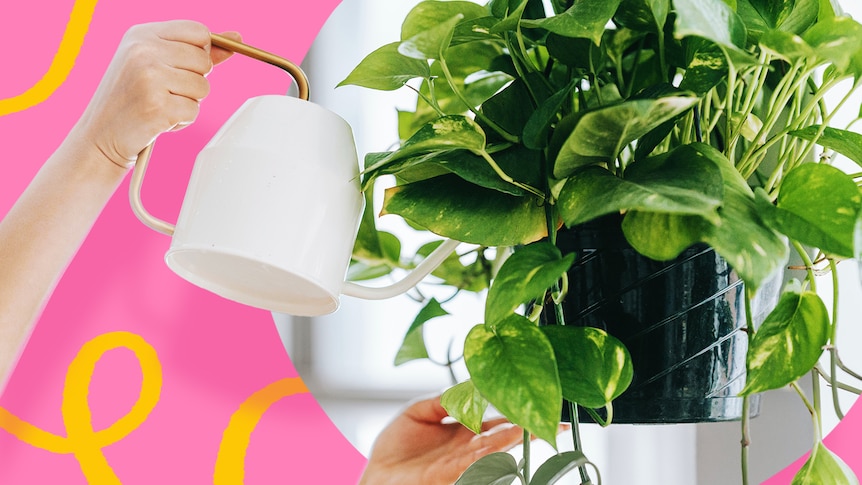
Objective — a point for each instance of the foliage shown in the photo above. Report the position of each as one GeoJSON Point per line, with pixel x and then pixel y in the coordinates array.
{"type": "Point", "coordinates": [698, 120]}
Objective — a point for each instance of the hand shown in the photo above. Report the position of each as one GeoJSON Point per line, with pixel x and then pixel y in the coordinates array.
{"type": "Point", "coordinates": [154, 84]}
{"type": "Point", "coordinates": [418, 447]}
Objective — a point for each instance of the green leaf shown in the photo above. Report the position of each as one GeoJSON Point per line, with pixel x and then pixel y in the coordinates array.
{"type": "Point", "coordinates": [429, 14]}
{"type": "Point", "coordinates": [761, 16]}
{"type": "Point", "coordinates": [558, 466]}
{"type": "Point", "coordinates": [681, 182]}
{"type": "Point", "coordinates": [802, 16]}
{"type": "Point", "coordinates": [818, 206]}
{"type": "Point", "coordinates": [845, 142]}
{"type": "Point", "coordinates": [707, 68]}
{"type": "Point", "coordinates": [660, 9]}
{"type": "Point", "coordinates": [431, 43]}
{"type": "Point", "coordinates": [595, 368]}
{"type": "Point", "coordinates": [450, 207]}
{"type": "Point", "coordinates": [386, 69]}
{"type": "Point", "coordinates": [535, 133]}
{"type": "Point", "coordinates": [495, 469]}
{"type": "Point", "coordinates": [713, 20]}
{"type": "Point", "coordinates": [600, 135]}
{"type": "Point", "coordinates": [662, 236]}
{"type": "Point", "coordinates": [838, 40]}
{"type": "Point", "coordinates": [522, 164]}
{"type": "Point", "coordinates": [510, 23]}
{"type": "Point", "coordinates": [413, 346]}
{"type": "Point", "coordinates": [512, 364]}
{"type": "Point", "coordinates": [464, 403]}
{"type": "Point", "coordinates": [787, 46]}
{"type": "Point", "coordinates": [584, 19]}
{"type": "Point", "coordinates": [511, 108]}
{"type": "Point", "coordinates": [788, 343]}
{"type": "Point", "coordinates": [739, 234]}
{"type": "Point", "coordinates": [743, 239]}
{"type": "Point", "coordinates": [367, 246]}
{"type": "Point", "coordinates": [524, 277]}
{"type": "Point", "coordinates": [823, 467]}
{"type": "Point", "coordinates": [636, 15]}
{"type": "Point", "coordinates": [446, 133]}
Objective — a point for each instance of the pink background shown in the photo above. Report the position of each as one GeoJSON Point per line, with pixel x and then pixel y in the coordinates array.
{"type": "Point", "coordinates": [214, 353]}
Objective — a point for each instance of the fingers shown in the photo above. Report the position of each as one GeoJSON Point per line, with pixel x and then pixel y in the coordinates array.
{"type": "Point", "coordinates": [185, 31]}
{"type": "Point", "coordinates": [219, 55]}
{"type": "Point", "coordinates": [154, 84]}
{"type": "Point", "coordinates": [502, 437]}
{"type": "Point", "coordinates": [427, 410]}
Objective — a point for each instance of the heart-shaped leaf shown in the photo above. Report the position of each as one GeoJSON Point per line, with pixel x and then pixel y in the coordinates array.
{"type": "Point", "coordinates": [524, 277]}
{"type": "Point", "coordinates": [512, 364]}
{"type": "Point", "coordinates": [386, 69]}
{"type": "Point", "coordinates": [788, 343]}
{"type": "Point", "coordinates": [464, 403]}
{"type": "Point", "coordinates": [822, 467]}
{"type": "Point", "coordinates": [595, 368]}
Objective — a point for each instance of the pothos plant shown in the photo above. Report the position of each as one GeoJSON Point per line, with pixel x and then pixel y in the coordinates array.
{"type": "Point", "coordinates": [700, 121]}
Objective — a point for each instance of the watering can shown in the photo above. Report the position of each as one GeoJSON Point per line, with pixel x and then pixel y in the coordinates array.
{"type": "Point", "coordinates": [273, 206]}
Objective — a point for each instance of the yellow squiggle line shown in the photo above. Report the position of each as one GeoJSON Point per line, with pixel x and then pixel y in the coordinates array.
{"type": "Point", "coordinates": [230, 462]}
{"type": "Point", "coordinates": [82, 440]}
{"type": "Point", "coordinates": [61, 65]}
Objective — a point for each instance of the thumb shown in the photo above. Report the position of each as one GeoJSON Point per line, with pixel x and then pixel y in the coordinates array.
{"type": "Point", "coordinates": [217, 54]}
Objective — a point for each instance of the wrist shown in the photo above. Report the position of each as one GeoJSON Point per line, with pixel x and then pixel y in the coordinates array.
{"type": "Point", "coordinates": [93, 156]}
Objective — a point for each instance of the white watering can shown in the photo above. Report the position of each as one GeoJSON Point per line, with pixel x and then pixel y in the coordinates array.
{"type": "Point", "coordinates": [273, 206]}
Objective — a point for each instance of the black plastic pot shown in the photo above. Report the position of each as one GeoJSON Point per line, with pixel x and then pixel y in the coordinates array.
{"type": "Point", "coordinates": [682, 321]}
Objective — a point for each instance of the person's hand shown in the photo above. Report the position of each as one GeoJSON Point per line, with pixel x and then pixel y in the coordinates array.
{"type": "Point", "coordinates": [419, 447]}
{"type": "Point", "coordinates": [154, 84]}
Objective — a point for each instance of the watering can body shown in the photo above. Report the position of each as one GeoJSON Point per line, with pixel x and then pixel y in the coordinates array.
{"type": "Point", "coordinates": [273, 206]}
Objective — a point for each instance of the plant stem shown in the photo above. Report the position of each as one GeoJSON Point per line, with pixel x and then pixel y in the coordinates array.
{"type": "Point", "coordinates": [560, 319]}
{"type": "Point", "coordinates": [833, 344]}
{"type": "Point", "coordinates": [746, 438]}
{"type": "Point", "coordinates": [527, 442]}
{"type": "Point", "coordinates": [809, 265]}
{"type": "Point", "coordinates": [745, 442]}
{"type": "Point", "coordinates": [812, 410]}
{"type": "Point", "coordinates": [506, 178]}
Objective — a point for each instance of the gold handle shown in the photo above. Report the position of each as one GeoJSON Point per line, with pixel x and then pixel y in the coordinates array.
{"type": "Point", "coordinates": [140, 169]}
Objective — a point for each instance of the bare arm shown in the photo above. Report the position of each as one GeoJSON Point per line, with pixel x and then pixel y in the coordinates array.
{"type": "Point", "coordinates": [153, 84]}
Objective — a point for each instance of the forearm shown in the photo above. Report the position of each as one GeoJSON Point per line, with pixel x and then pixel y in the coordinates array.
{"type": "Point", "coordinates": [42, 232]}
